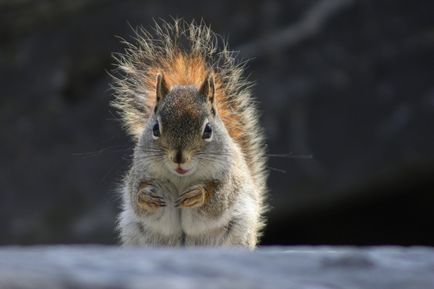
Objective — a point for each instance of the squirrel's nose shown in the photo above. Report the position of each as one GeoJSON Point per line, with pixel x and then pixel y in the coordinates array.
{"type": "Point", "coordinates": [179, 158]}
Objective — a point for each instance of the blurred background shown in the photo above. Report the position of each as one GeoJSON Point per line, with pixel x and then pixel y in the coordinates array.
{"type": "Point", "coordinates": [346, 92]}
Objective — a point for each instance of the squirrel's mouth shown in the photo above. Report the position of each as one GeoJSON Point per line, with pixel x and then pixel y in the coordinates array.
{"type": "Point", "coordinates": [181, 171]}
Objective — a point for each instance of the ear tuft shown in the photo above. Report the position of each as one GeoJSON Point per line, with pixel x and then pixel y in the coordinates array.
{"type": "Point", "coordinates": [161, 87]}
{"type": "Point", "coordinates": [207, 88]}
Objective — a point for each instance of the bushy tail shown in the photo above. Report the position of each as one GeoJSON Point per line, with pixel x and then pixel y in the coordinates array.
{"type": "Point", "coordinates": [185, 53]}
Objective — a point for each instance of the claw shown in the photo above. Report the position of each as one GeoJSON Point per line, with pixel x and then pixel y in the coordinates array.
{"type": "Point", "coordinates": [148, 199]}
{"type": "Point", "coordinates": [193, 198]}
{"type": "Point", "coordinates": [156, 197]}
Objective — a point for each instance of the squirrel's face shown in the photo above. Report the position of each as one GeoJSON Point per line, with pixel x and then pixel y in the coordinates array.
{"type": "Point", "coordinates": [185, 135]}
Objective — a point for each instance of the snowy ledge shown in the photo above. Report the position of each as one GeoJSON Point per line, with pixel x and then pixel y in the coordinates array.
{"type": "Point", "coordinates": [270, 267]}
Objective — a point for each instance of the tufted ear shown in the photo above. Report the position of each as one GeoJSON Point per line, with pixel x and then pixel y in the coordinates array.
{"type": "Point", "coordinates": [161, 88]}
{"type": "Point", "coordinates": [207, 88]}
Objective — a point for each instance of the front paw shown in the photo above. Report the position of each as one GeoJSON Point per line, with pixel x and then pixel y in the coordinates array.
{"type": "Point", "coordinates": [148, 198]}
{"type": "Point", "coordinates": [193, 197]}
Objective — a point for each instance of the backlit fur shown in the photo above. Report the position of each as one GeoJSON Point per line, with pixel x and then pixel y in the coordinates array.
{"type": "Point", "coordinates": [186, 53]}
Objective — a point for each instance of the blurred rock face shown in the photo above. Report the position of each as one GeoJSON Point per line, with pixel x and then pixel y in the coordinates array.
{"type": "Point", "coordinates": [348, 110]}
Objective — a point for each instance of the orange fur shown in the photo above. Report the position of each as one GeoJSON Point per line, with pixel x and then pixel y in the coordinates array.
{"type": "Point", "coordinates": [192, 70]}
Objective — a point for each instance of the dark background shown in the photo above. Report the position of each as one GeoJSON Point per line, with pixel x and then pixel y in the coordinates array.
{"type": "Point", "coordinates": [346, 88]}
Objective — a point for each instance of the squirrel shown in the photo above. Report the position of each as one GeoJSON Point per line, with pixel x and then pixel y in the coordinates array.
{"type": "Point", "coordinates": [198, 175]}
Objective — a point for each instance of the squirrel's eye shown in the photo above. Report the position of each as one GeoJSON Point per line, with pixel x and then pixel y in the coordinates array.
{"type": "Point", "coordinates": [207, 132]}
{"type": "Point", "coordinates": [156, 130]}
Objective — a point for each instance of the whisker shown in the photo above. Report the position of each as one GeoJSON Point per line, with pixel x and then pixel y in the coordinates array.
{"type": "Point", "coordinates": [277, 170]}
{"type": "Point", "coordinates": [102, 150]}
{"type": "Point", "coordinates": [215, 160]}
{"type": "Point", "coordinates": [212, 154]}
{"type": "Point", "coordinates": [290, 155]}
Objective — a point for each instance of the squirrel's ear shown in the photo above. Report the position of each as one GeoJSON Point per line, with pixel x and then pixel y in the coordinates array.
{"type": "Point", "coordinates": [207, 88]}
{"type": "Point", "coordinates": [161, 89]}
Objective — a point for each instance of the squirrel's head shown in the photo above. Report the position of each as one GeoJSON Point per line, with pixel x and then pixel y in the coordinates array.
{"type": "Point", "coordinates": [185, 133]}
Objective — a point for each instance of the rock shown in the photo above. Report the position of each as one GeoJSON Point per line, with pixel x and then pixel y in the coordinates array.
{"type": "Point", "coordinates": [205, 268]}
{"type": "Point", "coordinates": [348, 110]}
